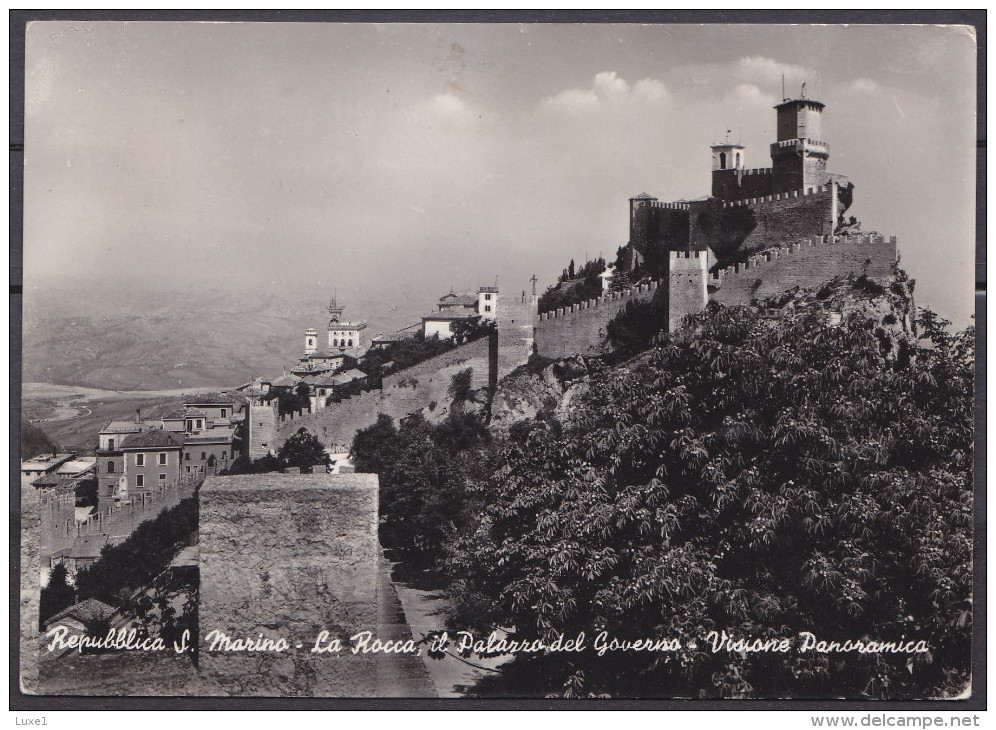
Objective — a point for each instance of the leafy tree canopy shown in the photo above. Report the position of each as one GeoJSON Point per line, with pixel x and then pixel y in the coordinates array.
{"type": "Point", "coordinates": [754, 474]}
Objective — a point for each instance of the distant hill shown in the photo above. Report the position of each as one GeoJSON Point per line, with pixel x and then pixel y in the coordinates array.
{"type": "Point", "coordinates": [34, 441]}
{"type": "Point", "coordinates": [179, 339]}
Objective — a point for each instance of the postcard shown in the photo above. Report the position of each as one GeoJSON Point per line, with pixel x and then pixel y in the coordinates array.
{"type": "Point", "coordinates": [498, 360]}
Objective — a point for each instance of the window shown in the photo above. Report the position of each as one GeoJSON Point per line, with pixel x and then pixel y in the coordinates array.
{"type": "Point", "coordinates": [487, 297]}
{"type": "Point", "coordinates": [162, 459]}
{"type": "Point", "coordinates": [140, 480]}
{"type": "Point", "coordinates": [203, 455]}
{"type": "Point", "coordinates": [350, 343]}
{"type": "Point", "coordinates": [487, 307]}
{"type": "Point", "coordinates": [224, 413]}
{"type": "Point", "coordinates": [200, 423]}
{"type": "Point", "coordinates": [722, 160]}
{"type": "Point", "coordinates": [139, 459]}
{"type": "Point", "coordinates": [188, 469]}
{"type": "Point", "coordinates": [110, 444]}
{"type": "Point", "coordinates": [110, 467]}
{"type": "Point", "coordinates": [162, 477]}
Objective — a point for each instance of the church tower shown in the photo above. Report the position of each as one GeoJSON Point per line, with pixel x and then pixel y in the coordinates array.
{"type": "Point", "coordinates": [727, 169]}
{"type": "Point", "coordinates": [310, 341]}
{"type": "Point", "coordinates": [799, 156]}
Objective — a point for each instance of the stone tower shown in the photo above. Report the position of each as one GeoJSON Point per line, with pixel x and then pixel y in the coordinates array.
{"type": "Point", "coordinates": [310, 341]}
{"type": "Point", "coordinates": [799, 156]}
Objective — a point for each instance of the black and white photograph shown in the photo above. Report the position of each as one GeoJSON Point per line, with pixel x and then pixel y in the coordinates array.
{"type": "Point", "coordinates": [490, 361]}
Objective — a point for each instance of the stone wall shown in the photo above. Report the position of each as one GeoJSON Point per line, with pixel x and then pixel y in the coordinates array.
{"type": "Point", "coordinates": [30, 576]}
{"type": "Point", "coordinates": [425, 385]}
{"type": "Point", "coordinates": [807, 264]}
{"type": "Point", "coordinates": [790, 217]}
{"type": "Point", "coordinates": [582, 329]}
{"type": "Point", "coordinates": [289, 556]}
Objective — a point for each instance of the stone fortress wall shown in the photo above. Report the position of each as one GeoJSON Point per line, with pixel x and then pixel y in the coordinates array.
{"type": "Point", "coordinates": [806, 264]}
{"type": "Point", "coordinates": [582, 329]}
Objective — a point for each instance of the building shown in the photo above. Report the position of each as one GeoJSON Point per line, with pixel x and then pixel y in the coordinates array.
{"type": "Point", "coordinates": [487, 302]}
{"type": "Point", "coordinates": [441, 324]}
{"type": "Point", "coordinates": [150, 460]}
{"type": "Point", "coordinates": [453, 308]}
{"type": "Point", "coordinates": [343, 334]}
{"type": "Point", "coordinates": [45, 464]}
{"type": "Point", "coordinates": [202, 437]}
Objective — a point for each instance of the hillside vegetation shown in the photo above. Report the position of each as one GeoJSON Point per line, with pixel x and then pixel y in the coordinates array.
{"type": "Point", "coordinates": [800, 466]}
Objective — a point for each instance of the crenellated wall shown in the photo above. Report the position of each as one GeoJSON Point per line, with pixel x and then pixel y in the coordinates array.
{"type": "Point", "coordinates": [806, 264]}
{"type": "Point", "coordinates": [425, 385]}
{"type": "Point", "coordinates": [581, 329]}
{"type": "Point", "coordinates": [772, 220]}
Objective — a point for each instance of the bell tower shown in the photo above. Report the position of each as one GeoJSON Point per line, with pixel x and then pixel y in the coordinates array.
{"type": "Point", "coordinates": [310, 341]}
{"type": "Point", "coordinates": [727, 169]}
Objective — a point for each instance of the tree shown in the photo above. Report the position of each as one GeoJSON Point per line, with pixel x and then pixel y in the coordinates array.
{"type": "Point", "coordinates": [757, 473]}
{"type": "Point", "coordinates": [635, 326]}
{"type": "Point", "coordinates": [303, 450]}
{"type": "Point", "coordinates": [56, 595]}
{"type": "Point", "coordinates": [426, 474]}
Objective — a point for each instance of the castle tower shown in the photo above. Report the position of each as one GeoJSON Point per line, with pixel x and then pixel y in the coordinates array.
{"type": "Point", "coordinates": [799, 157]}
{"type": "Point", "coordinates": [727, 169]}
{"type": "Point", "coordinates": [639, 228]}
{"type": "Point", "coordinates": [688, 281]}
{"type": "Point", "coordinates": [310, 341]}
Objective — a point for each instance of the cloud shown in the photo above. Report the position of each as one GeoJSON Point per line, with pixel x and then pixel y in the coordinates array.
{"type": "Point", "coordinates": [609, 89]}
{"type": "Point", "coordinates": [756, 69]}
{"type": "Point", "coordinates": [450, 106]}
{"type": "Point", "coordinates": [863, 85]}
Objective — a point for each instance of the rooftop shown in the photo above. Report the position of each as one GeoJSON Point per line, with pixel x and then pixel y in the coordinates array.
{"type": "Point", "coordinates": [457, 300]}
{"type": "Point", "coordinates": [85, 611]}
{"type": "Point", "coordinates": [448, 316]}
{"type": "Point", "coordinates": [347, 326]}
{"type": "Point", "coordinates": [45, 461]}
{"type": "Point", "coordinates": [123, 427]}
{"type": "Point", "coordinates": [155, 438]}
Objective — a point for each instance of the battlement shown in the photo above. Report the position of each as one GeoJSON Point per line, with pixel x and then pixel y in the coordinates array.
{"type": "Point", "coordinates": [677, 205]}
{"type": "Point", "coordinates": [758, 261]}
{"type": "Point", "coordinates": [756, 171]}
{"type": "Point", "coordinates": [605, 299]}
{"type": "Point", "coordinates": [678, 255]}
{"type": "Point", "coordinates": [818, 190]}
{"type": "Point", "coordinates": [799, 142]}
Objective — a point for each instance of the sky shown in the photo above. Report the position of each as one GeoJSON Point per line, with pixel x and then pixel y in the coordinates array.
{"type": "Point", "coordinates": [392, 163]}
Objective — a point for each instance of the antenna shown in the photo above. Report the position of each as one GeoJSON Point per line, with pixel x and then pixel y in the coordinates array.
{"type": "Point", "coordinates": [783, 87]}
{"type": "Point", "coordinates": [803, 94]}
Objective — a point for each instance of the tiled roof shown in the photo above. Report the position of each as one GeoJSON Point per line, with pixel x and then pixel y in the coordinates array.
{"type": "Point", "coordinates": [448, 316]}
{"type": "Point", "coordinates": [333, 326]}
{"type": "Point", "coordinates": [85, 611]}
{"type": "Point", "coordinates": [284, 381]}
{"type": "Point", "coordinates": [122, 427]}
{"type": "Point", "coordinates": [349, 376]}
{"type": "Point", "coordinates": [194, 413]}
{"type": "Point", "coordinates": [152, 439]}
{"type": "Point", "coordinates": [394, 337]}
{"type": "Point", "coordinates": [52, 480]}
{"type": "Point", "coordinates": [458, 300]}
{"type": "Point", "coordinates": [176, 415]}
